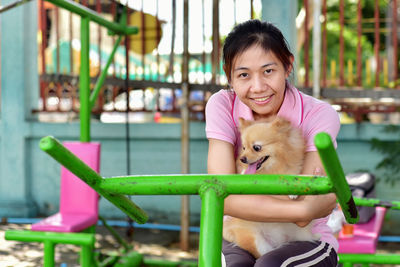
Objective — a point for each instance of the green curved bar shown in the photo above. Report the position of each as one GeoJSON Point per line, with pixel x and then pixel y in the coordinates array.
{"type": "Point", "coordinates": [335, 173]}
{"type": "Point", "coordinates": [85, 12]}
{"type": "Point", "coordinates": [103, 74]}
{"type": "Point", "coordinates": [66, 158]}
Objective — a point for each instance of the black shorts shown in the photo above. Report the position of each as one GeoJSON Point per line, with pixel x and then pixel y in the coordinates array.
{"type": "Point", "coordinates": [299, 253]}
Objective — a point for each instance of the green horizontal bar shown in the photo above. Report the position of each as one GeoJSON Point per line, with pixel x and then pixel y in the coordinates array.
{"type": "Point", "coordinates": [162, 262]}
{"type": "Point", "coordinates": [231, 184]}
{"type": "Point", "coordinates": [334, 171]}
{"type": "Point", "coordinates": [66, 158]}
{"type": "Point", "coordinates": [373, 202]}
{"type": "Point", "coordinates": [62, 238]}
{"type": "Point", "coordinates": [370, 258]}
{"type": "Point", "coordinates": [95, 17]}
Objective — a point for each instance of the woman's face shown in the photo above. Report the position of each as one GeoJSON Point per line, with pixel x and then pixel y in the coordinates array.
{"type": "Point", "coordinates": [259, 80]}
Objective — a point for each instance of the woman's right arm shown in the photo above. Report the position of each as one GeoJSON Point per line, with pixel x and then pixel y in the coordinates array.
{"type": "Point", "coordinates": [250, 207]}
{"type": "Point", "coordinates": [221, 158]}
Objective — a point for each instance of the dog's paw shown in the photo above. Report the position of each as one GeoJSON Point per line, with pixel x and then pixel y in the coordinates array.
{"type": "Point", "coordinates": [227, 233]}
{"type": "Point", "coordinates": [293, 197]}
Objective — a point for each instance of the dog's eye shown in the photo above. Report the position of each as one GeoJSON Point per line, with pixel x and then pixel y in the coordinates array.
{"type": "Point", "coordinates": [256, 148]}
{"type": "Point", "coordinates": [244, 148]}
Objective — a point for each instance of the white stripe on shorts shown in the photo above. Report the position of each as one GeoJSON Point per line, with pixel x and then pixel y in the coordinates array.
{"type": "Point", "coordinates": [308, 254]}
{"type": "Point", "coordinates": [316, 260]}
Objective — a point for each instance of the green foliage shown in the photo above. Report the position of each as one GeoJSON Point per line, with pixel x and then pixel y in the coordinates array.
{"type": "Point", "coordinates": [350, 35]}
{"type": "Point", "coordinates": [390, 164]}
{"type": "Point", "coordinates": [350, 43]}
{"type": "Point", "coordinates": [350, 19]}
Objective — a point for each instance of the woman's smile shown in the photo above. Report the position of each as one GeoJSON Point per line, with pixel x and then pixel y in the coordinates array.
{"type": "Point", "coordinates": [262, 100]}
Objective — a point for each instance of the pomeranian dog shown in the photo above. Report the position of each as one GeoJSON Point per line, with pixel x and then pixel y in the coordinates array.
{"type": "Point", "coordinates": [269, 147]}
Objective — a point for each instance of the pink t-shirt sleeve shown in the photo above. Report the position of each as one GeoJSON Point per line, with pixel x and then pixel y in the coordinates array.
{"type": "Point", "coordinates": [322, 118]}
{"type": "Point", "coordinates": [219, 123]}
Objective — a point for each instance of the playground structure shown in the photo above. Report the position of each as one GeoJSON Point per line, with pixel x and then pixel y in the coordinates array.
{"type": "Point", "coordinates": [360, 247]}
{"type": "Point", "coordinates": [212, 188]}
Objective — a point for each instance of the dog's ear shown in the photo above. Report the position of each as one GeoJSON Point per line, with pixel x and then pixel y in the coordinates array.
{"type": "Point", "coordinates": [282, 124]}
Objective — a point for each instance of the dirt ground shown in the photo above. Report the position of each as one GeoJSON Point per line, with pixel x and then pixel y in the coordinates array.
{"type": "Point", "coordinates": [151, 243]}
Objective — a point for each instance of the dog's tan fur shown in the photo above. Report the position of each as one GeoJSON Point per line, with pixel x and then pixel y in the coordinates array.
{"type": "Point", "coordinates": [285, 147]}
{"type": "Point", "coordinates": [284, 143]}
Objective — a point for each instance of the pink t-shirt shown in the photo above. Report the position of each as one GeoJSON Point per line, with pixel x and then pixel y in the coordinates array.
{"type": "Point", "coordinates": [305, 112]}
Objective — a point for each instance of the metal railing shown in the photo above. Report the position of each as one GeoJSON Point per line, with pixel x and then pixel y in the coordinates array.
{"type": "Point", "coordinates": [358, 53]}
{"type": "Point", "coordinates": [156, 68]}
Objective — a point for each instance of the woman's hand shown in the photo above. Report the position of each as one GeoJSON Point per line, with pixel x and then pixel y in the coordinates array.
{"type": "Point", "coordinates": [319, 206]}
{"type": "Point", "coordinates": [316, 206]}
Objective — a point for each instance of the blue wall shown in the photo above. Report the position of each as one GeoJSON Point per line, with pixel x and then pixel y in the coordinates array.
{"type": "Point", "coordinates": [155, 149]}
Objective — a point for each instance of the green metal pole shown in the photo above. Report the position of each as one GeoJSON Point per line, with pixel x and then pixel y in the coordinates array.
{"type": "Point", "coordinates": [103, 75]}
{"type": "Point", "coordinates": [373, 202]}
{"type": "Point", "coordinates": [87, 256]}
{"type": "Point", "coordinates": [132, 259]}
{"type": "Point", "coordinates": [334, 171]}
{"type": "Point", "coordinates": [115, 234]}
{"type": "Point", "coordinates": [212, 211]}
{"type": "Point", "coordinates": [84, 76]}
{"type": "Point", "coordinates": [94, 16]}
{"type": "Point", "coordinates": [370, 258]}
{"type": "Point", "coordinates": [54, 237]}
{"type": "Point", "coordinates": [160, 262]}
{"type": "Point", "coordinates": [233, 184]}
{"type": "Point", "coordinates": [48, 254]}
{"type": "Point", "coordinates": [56, 150]}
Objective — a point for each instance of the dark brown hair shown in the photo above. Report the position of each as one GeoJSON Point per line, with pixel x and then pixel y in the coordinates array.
{"type": "Point", "coordinates": [255, 32]}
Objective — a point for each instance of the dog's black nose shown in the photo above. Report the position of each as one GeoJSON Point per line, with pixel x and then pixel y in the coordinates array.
{"type": "Point", "coordinates": [244, 160]}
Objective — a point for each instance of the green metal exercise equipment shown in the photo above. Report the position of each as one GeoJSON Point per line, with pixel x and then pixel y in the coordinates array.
{"type": "Point", "coordinates": [212, 189]}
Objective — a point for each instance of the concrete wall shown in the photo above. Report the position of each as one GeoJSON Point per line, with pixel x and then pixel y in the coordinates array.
{"type": "Point", "coordinates": [155, 149]}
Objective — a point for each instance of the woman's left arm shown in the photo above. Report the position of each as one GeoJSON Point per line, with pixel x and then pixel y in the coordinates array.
{"type": "Point", "coordinates": [316, 206]}
{"type": "Point", "coordinates": [312, 164]}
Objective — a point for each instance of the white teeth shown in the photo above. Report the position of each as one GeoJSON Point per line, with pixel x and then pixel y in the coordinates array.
{"type": "Point", "coordinates": [262, 98]}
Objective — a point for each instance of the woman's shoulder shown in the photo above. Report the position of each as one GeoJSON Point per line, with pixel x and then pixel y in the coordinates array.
{"type": "Point", "coordinates": [313, 105]}
{"type": "Point", "coordinates": [320, 115]}
{"type": "Point", "coordinates": [223, 99]}
{"type": "Point", "coordinates": [219, 121]}
{"type": "Point", "coordinates": [222, 95]}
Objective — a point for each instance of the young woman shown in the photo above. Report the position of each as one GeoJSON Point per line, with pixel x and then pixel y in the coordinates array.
{"type": "Point", "coordinates": [257, 63]}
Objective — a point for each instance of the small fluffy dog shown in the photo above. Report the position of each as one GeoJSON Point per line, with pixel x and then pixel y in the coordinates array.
{"type": "Point", "coordinates": [269, 147]}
